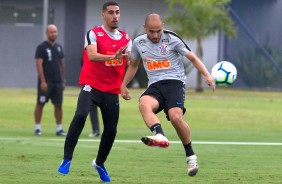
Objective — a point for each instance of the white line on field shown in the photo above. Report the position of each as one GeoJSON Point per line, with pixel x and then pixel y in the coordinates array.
{"type": "Point", "coordinates": [137, 141]}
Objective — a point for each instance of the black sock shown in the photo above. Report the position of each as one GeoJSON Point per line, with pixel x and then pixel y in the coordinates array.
{"type": "Point", "coordinates": [188, 149]}
{"type": "Point", "coordinates": [157, 129]}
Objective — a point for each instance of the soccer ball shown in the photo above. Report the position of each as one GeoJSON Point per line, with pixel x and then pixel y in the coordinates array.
{"type": "Point", "coordinates": [224, 73]}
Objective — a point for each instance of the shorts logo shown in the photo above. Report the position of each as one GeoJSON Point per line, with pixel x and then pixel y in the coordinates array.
{"type": "Point", "coordinates": [163, 50]}
{"type": "Point", "coordinates": [87, 88]}
{"type": "Point", "coordinates": [42, 99]}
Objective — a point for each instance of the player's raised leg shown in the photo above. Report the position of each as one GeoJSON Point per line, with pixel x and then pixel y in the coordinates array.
{"type": "Point", "coordinates": [147, 106]}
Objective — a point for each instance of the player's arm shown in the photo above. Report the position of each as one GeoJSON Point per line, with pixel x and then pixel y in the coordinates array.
{"type": "Point", "coordinates": [62, 65]}
{"type": "Point", "coordinates": [128, 52]}
{"type": "Point", "coordinates": [129, 74]}
{"type": "Point", "coordinates": [90, 45]}
{"type": "Point", "coordinates": [93, 55]}
{"type": "Point", "coordinates": [39, 67]}
{"type": "Point", "coordinates": [201, 67]}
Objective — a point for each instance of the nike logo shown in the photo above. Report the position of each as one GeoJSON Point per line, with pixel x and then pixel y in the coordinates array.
{"type": "Point", "coordinates": [143, 51]}
{"type": "Point", "coordinates": [178, 103]}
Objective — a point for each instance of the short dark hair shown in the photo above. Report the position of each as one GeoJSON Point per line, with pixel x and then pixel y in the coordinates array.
{"type": "Point", "coordinates": [109, 3]}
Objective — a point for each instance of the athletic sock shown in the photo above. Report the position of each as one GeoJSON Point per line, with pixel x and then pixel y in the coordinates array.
{"type": "Point", "coordinates": [37, 126]}
{"type": "Point", "coordinates": [188, 149]}
{"type": "Point", "coordinates": [157, 129]}
{"type": "Point", "coordinates": [59, 127]}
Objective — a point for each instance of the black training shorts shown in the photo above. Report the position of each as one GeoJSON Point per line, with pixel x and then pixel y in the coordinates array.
{"type": "Point", "coordinates": [54, 92]}
{"type": "Point", "coordinates": [169, 94]}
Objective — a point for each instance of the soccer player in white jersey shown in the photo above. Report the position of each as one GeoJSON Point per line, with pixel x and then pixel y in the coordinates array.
{"type": "Point", "coordinates": [161, 51]}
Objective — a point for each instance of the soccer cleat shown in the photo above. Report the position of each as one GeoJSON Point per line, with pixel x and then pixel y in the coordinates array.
{"type": "Point", "coordinates": [156, 140]}
{"type": "Point", "coordinates": [192, 165]}
{"type": "Point", "coordinates": [64, 167]}
{"type": "Point", "coordinates": [61, 133]}
{"type": "Point", "coordinates": [37, 132]}
{"type": "Point", "coordinates": [104, 176]}
{"type": "Point", "coordinates": [94, 134]}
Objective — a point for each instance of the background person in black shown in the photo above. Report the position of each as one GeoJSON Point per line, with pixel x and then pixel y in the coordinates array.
{"type": "Point", "coordinates": [50, 66]}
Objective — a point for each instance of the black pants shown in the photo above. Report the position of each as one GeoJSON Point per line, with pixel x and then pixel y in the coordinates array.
{"type": "Point", "coordinates": [109, 106]}
{"type": "Point", "coordinates": [94, 118]}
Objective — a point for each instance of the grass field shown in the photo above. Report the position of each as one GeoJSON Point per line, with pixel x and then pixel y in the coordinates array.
{"type": "Point", "coordinates": [237, 136]}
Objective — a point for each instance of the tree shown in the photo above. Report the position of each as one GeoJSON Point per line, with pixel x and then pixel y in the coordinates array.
{"type": "Point", "coordinates": [198, 19]}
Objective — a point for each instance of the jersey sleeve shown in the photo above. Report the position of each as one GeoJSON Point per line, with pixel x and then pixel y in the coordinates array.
{"type": "Point", "coordinates": [129, 46]}
{"type": "Point", "coordinates": [39, 53]}
{"type": "Point", "coordinates": [62, 54]}
{"type": "Point", "coordinates": [90, 38]}
{"type": "Point", "coordinates": [134, 51]}
{"type": "Point", "coordinates": [181, 47]}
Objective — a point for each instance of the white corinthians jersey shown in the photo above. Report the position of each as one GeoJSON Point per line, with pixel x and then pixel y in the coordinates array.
{"type": "Point", "coordinates": [161, 60]}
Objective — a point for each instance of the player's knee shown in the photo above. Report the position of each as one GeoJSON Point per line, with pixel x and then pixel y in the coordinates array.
{"type": "Point", "coordinates": [81, 116]}
{"type": "Point", "coordinates": [143, 108]}
{"type": "Point", "coordinates": [58, 106]}
{"type": "Point", "coordinates": [175, 118]}
{"type": "Point", "coordinates": [40, 106]}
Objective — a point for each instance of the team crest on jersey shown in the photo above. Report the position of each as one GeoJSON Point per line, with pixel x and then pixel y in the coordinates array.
{"type": "Point", "coordinates": [100, 33]}
{"type": "Point", "coordinates": [165, 41]}
{"type": "Point", "coordinates": [142, 42]}
{"type": "Point", "coordinates": [59, 49]}
{"type": "Point", "coordinates": [163, 50]}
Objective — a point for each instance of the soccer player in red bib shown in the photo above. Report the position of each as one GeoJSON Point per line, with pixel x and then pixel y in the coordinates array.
{"type": "Point", "coordinates": [104, 64]}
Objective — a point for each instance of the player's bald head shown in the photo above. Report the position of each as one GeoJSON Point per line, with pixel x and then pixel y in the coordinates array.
{"type": "Point", "coordinates": [51, 33]}
{"type": "Point", "coordinates": [154, 27]}
{"type": "Point", "coordinates": [153, 18]}
{"type": "Point", "coordinates": [51, 27]}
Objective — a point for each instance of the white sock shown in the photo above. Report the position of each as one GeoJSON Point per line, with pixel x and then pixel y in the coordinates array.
{"type": "Point", "coordinates": [59, 127]}
{"type": "Point", "coordinates": [37, 126]}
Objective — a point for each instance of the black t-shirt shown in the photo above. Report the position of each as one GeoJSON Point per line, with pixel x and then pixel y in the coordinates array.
{"type": "Point", "coordinates": [51, 55]}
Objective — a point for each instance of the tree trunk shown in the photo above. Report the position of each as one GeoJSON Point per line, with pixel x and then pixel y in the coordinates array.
{"type": "Point", "coordinates": [199, 53]}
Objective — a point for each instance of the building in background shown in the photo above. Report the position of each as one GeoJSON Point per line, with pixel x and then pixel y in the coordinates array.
{"type": "Point", "coordinates": [21, 31]}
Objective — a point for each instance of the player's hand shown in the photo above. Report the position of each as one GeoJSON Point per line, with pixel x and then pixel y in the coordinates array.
{"type": "Point", "coordinates": [44, 86]}
{"type": "Point", "coordinates": [209, 81]}
{"type": "Point", "coordinates": [119, 54]}
{"type": "Point", "coordinates": [125, 93]}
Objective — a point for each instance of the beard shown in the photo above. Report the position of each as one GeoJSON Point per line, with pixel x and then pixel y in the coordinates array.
{"type": "Point", "coordinates": [155, 40]}
{"type": "Point", "coordinates": [114, 26]}
{"type": "Point", "coordinates": [52, 38]}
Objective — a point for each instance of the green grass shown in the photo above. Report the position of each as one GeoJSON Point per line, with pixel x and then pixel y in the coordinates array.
{"type": "Point", "coordinates": [224, 116]}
